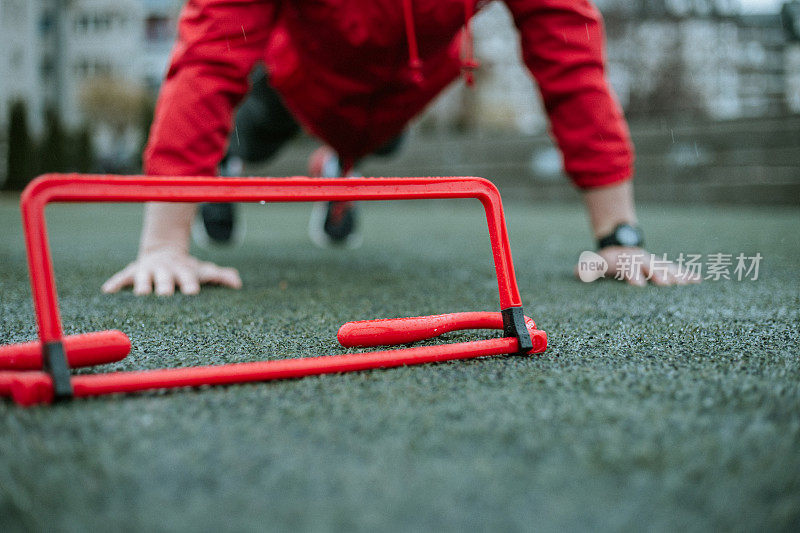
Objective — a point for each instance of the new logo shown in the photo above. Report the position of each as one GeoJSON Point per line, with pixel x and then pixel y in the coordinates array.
{"type": "Point", "coordinates": [591, 266]}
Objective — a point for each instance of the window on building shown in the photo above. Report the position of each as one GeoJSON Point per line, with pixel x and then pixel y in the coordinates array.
{"type": "Point", "coordinates": [157, 28]}
{"type": "Point", "coordinates": [46, 23]}
{"type": "Point", "coordinates": [82, 68]}
{"type": "Point", "coordinates": [102, 22]}
{"type": "Point", "coordinates": [82, 23]}
{"type": "Point", "coordinates": [47, 68]}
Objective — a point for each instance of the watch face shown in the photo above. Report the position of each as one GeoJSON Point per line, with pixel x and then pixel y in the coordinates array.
{"type": "Point", "coordinates": [628, 236]}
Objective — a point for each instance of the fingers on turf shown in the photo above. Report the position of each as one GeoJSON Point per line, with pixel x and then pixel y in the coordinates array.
{"type": "Point", "coordinates": [675, 276]}
{"type": "Point", "coordinates": [636, 276]}
{"type": "Point", "coordinates": [163, 279]}
{"type": "Point", "coordinates": [678, 277]}
{"type": "Point", "coordinates": [142, 282]}
{"type": "Point", "coordinates": [661, 278]}
{"type": "Point", "coordinates": [187, 281]}
{"type": "Point", "coordinates": [164, 282]}
{"type": "Point", "coordinates": [118, 281]}
{"type": "Point", "coordinates": [225, 276]}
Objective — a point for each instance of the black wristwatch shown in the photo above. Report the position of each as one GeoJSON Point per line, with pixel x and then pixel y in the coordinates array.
{"type": "Point", "coordinates": [623, 235]}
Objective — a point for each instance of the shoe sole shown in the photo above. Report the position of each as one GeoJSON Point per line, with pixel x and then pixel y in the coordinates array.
{"type": "Point", "coordinates": [316, 231]}
{"type": "Point", "coordinates": [202, 240]}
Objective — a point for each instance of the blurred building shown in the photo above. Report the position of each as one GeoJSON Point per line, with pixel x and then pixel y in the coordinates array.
{"type": "Point", "coordinates": [20, 63]}
{"type": "Point", "coordinates": [86, 59]}
{"type": "Point", "coordinates": [791, 21]}
{"type": "Point", "coordinates": [99, 40]}
{"type": "Point", "coordinates": [699, 58]}
{"type": "Point", "coordinates": [722, 63]}
{"type": "Point", "coordinates": [762, 65]}
{"type": "Point", "coordinates": [504, 96]}
{"type": "Point", "coordinates": [674, 56]}
{"type": "Point", "coordinates": [159, 20]}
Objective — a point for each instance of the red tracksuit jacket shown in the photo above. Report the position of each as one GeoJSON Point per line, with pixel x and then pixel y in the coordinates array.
{"type": "Point", "coordinates": [354, 72]}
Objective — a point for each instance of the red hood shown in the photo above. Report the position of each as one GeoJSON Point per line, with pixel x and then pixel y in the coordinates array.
{"type": "Point", "coordinates": [363, 51]}
{"type": "Point", "coordinates": [348, 34]}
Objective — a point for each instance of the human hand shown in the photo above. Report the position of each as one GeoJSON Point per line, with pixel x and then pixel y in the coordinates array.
{"type": "Point", "coordinates": [636, 266]}
{"type": "Point", "coordinates": [165, 268]}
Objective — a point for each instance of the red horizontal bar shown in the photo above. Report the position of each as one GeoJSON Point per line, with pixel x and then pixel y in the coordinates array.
{"type": "Point", "coordinates": [85, 349]}
{"type": "Point", "coordinates": [99, 188]}
{"type": "Point", "coordinates": [29, 388]}
{"type": "Point", "coordinates": [393, 331]}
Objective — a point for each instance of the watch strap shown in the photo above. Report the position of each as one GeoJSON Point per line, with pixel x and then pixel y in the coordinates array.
{"type": "Point", "coordinates": [612, 238]}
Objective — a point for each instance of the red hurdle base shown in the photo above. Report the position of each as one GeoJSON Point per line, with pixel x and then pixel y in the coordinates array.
{"type": "Point", "coordinates": [38, 372]}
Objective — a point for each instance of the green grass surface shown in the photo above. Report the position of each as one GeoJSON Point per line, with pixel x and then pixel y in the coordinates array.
{"type": "Point", "coordinates": [655, 409]}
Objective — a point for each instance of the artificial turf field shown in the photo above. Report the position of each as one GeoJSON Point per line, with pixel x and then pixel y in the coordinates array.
{"type": "Point", "coordinates": [655, 409]}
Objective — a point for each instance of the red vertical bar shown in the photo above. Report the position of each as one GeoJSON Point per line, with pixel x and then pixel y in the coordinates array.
{"type": "Point", "coordinates": [501, 249]}
{"type": "Point", "coordinates": [40, 265]}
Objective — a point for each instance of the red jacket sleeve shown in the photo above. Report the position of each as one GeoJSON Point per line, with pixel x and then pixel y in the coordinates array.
{"type": "Point", "coordinates": [563, 47]}
{"type": "Point", "coordinates": [219, 41]}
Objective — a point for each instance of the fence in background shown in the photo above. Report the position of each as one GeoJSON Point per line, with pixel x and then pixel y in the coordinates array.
{"type": "Point", "coordinates": [678, 161]}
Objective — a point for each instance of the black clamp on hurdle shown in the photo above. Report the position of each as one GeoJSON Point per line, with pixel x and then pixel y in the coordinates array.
{"type": "Point", "coordinates": [54, 359]}
{"type": "Point", "coordinates": [514, 326]}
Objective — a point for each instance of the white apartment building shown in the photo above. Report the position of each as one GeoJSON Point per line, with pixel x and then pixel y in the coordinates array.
{"type": "Point", "coordinates": [20, 62]}
{"type": "Point", "coordinates": [102, 39]}
{"type": "Point", "coordinates": [50, 50]}
{"type": "Point", "coordinates": [159, 23]}
{"type": "Point", "coordinates": [695, 57]}
{"type": "Point", "coordinates": [648, 40]}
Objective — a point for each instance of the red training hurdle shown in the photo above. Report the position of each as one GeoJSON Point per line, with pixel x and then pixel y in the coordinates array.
{"type": "Point", "coordinates": [38, 372]}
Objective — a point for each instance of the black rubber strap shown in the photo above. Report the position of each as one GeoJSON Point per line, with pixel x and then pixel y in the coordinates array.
{"type": "Point", "coordinates": [612, 240]}
{"type": "Point", "coordinates": [514, 326]}
{"type": "Point", "coordinates": [55, 363]}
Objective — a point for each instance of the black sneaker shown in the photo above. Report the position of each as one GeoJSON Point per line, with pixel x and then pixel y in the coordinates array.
{"type": "Point", "coordinates": [217, 225]}
{"type": "Point", "coordinates": [332, 223]}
